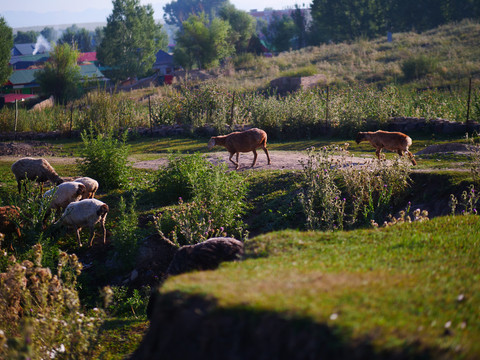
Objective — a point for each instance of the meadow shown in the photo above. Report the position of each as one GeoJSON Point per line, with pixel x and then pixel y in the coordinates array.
{"type": "Point", "coordinates": [339, 261]}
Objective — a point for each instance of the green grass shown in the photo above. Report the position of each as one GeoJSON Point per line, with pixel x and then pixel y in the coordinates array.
{"type": "Point", "coordinates": [397, 285]}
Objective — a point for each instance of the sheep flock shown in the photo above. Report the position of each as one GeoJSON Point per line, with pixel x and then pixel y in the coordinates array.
{"type": "Point", "coordinates": [75, 200]}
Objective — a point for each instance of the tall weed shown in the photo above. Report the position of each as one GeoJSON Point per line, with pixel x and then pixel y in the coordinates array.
{"type": "Point", "coordinates": [40, 313]}
{"type": "Point", "coordinates": [124, 234]}
{"type": "Point", "coordinates": [105, 158]}
{"type": "Point", "coordinates": [336, 194]}
{"type": "Point", "coordinates": [211, 199]}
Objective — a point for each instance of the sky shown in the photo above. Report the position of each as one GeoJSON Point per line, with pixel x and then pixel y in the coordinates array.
{"type": "Point", "coordinates": [26, 13]}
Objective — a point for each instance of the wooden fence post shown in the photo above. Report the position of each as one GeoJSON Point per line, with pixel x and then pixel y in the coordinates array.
{"type": "Point", "coordinates": [468, 99]}
{"type": "Point", "coordinates": [150, 116]}
{"type": "Point", "coordinates": [232, 110]}
{"type": "Point", "coordinates": [326, 109]}
{"type": "Point", "coordinates": [16, 119]}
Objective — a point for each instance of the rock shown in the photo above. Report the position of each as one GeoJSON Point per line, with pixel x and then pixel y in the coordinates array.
{"type": "Point", "coordinates": [206, 255]}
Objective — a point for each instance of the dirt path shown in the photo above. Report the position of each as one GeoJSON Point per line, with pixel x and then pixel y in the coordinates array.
{"type": "Point", "coordinates": [280, 160]}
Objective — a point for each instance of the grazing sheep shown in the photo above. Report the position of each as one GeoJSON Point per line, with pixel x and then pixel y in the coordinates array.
{"type": "Point", "coordinates": [9, 217]}
{"type": "Point", "coordinates": [91, 187]}
{"type": "Point", "coordinates": [84, 213]}
{"type": "Point", "coordinates": [64, 194]}
{"type": "Point", "coordinates": [242, 141]}
{"type": "Point", "coordinates": [394, 141]}
{"type": "Point", "coordinates": [34, 169]}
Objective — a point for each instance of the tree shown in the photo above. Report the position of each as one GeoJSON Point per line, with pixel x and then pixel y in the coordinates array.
{"type": "Point", "coordinates": [300, 27]}
{"type": "Point", "coordinates": [6, 44]}
{"type": "Point", "coordinates": [176, 12]}
{"type": "Point", "coordinates": [98, 36]}
{"type": "Point", "coordinates": [202, 43]}
{"type": "Point", "coordinates": [61, 75]}
{"type": "Point", "coordinates": [242, 24]}
{"type": "Point", "coordinates": [80, 38]}
{"type": "Point", "coordinates": [131, 40]}
{"type": "Point", "coordinates": [49, 33]}
{"type": "Point", "coordinates": [25, 37]}
{"type": "Point", "coordinates": [280, 33]}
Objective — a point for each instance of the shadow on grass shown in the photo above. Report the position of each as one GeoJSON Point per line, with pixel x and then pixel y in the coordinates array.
{"type": "Point", "coordinates": [194, 327]}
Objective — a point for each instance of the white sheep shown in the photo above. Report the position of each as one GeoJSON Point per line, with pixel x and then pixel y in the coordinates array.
{"type": "Point", "coordinates": [84, 213]}
{"type": "Point", "coordinates": [242, 141]}
{"type": "Point", "coordinates": [91, 187]}
{"type": "Point", "coordinates": [64, 194]}
{"type": "Point", "coordinates": [34, 169]}
{"type": "Point", "coordinates": [394, 141]}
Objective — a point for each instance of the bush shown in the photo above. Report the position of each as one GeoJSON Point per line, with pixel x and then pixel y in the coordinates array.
{"type": "Point", "coordinates": [307, 70]}
{"type": "Point", "coordinates": [336, 194]}
{"type": "Point", "coordinates": [320, 196]}
{"type": "Point", "coordinates": [105, 159]}
{"type": "Point", "coordinates": [40, 313]}
{"type": "Point", "coordinates": [211, 199]}
{"type": "Point", "coordinates": [417, 67]}
{"type": "Point", "coordinates": [125, 239]}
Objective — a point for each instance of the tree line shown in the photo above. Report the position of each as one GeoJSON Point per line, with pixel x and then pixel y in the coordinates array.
{"type": "Point", "coordinates": [208, 32]}
{"type": "Point", "coordinates": [341, 20]}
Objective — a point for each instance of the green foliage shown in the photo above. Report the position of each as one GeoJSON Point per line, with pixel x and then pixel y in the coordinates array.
{"type": "Point", "coordinates": [280, 33]}
{"type": "Point", "coordinates": [336, 194]}
{"type": "Point", "coordinates": [33, 208]}
{"type": "Point", "coordinates": [202, 43]}
{"type": "Point", "coordinates": [25, 37]}
{"type": "Point", "coordinates": [6, 44]}
{"type": "Point", "coordinates": [178, 11]}
{"type": "Point", "coordinates": [40, 312]}
{"type": "Point", "coordinates": [211, 199]}
{"type": "Point", "coordinates": [131, 40]}
{"type": "Point", "coordinates": [124, 234]}
{"type": "Point", "coordinates": [372, 192]}
{"type": "Point", "coordinates": [417, 67]}
{"type": "Point", "coordinates": [109, 113]}
{"type": "Point", "coordinates": [61, 76]}
{"type": "Point", "coordinates": [242, 26]}
{"type": "Point", "coordinates": [49, 33]}
{"type": "Point", "coordinates": [80, 38]}
{"type": "Point", "coordinates": [128, 303]}
{"type": "Point", "coordinates": [307, 70]}
{"type": "Point", "coordinates": [468, 202]}
{"type": "Point", "coordinates": [320, 196]}
{"type": "Point", "coordinates": [340, 20]}
{"type": "Point", "coordinates": [105, 159]}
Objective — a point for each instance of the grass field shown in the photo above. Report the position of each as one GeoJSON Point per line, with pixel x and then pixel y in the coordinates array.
{"type": "Point", "coordinates": [411, 285]}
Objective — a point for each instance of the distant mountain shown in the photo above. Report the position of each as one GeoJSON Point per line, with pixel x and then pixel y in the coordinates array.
{"type": "Point", "coordinates": [22, 19]}
{"type": "Point", "coordinates": [19, 20]}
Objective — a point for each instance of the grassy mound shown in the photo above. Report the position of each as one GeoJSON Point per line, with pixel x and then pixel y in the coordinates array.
{"type": "Point", "coordinates": [408, 290]}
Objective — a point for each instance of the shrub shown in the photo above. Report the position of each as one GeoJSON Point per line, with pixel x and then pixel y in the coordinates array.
{"type": "Point", "coordinates": [105, 112]}
{"type": "Point", "coordinates": [126, 303]}
{"type": "Point", "coordinates": [105, 159]}
{"type": "Point", "coordinates": [330, 183]}
{"type": "Point", "coordinates": [124, 234]}
{"type": "Point", "coordinates": [373, 190]}
{"type": "Point", "coordinates": [210, 198]}
{"type": "Point", "coordinates": [418, 66]}
{"type": "Point", "coordinates": [41, 314]}
{"type": "Point", "coordinates": [307, 70]}
{"type": "Point", "coordinates": [320, 196]}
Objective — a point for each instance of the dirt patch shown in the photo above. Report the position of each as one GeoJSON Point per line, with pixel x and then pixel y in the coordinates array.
{"type": "Point", "coordinates": [280, 160]}
{"type": "Point", "coordinates": [34, 148]}
{"type": "Point", "coordinates": [447, 148]}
